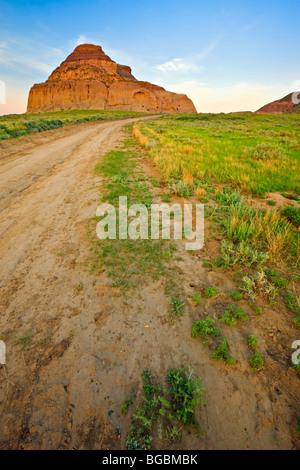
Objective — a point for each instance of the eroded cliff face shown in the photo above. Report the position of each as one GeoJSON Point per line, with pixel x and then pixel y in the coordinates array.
{"type": "Point", "coordinates": [89, 79]}
{"type": "Point", "coordinates": [284, 105]}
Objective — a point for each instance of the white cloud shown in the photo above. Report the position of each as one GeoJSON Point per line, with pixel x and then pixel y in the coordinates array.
{"type": "Point", "coordinates": [54, 52]}
{"type": "Point", "coordinates": [177, 65]}
{"type": "Point", "coordinates": [188, 64]}
{"type": "Point", "coordinates": [82, 39]}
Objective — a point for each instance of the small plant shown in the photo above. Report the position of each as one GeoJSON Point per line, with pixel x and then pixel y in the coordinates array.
{"type": "Point", "coordinates": [210, 292]}
{"type": "Point", "coordinates": [183, 189]}
{"type": "Point", "coordinates": [293, 303]}
{"type": "Point", "coordinates": [258, 311]}
{"type": "Point", "coordinates": [242, 254]}
{"type": "Point", "coordinates": [258, 284]}
{"type": "Point", "coordinates": [222, 353]}
{"type": "Point", "coordinates": [252, 341]}
{"type": "Point", "coordinates": [125, 406]}
{"type": "Point", "coordinates": [257, 361]}
{"type": "Point", "coordinates": [205, 328]}
{"type": "Point", "coordinates": [176, 405]}
{"type": "Point", "coordinates": [148, 387]}
{"type": "Point", "coordinates": [233, 314]}
{"type": "Point", "coordinates": [274, 277]}
{"type": "Point", "coordinates": [78, 288]}
{"type": "Point", "coordinates": [236, 296]}
{"type": "Point", "coordinates": [176, 307]}
{"type": "Point", "coordinates": [206, 264]}
{"type": "Point", "coordinates": [270, 202]}
{"type": "Point", "coordinates": [197, 298]}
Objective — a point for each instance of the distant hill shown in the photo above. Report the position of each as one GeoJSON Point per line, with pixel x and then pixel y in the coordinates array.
{"type": "Point", "coordinates": [284, 105]}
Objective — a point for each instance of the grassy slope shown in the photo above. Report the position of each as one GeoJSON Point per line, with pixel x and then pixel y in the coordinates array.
{"type": "Point", "coordinates": [16, 125]}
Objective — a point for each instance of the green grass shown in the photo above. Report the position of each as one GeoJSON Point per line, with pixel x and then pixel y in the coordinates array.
{"type": "Point", "coordinates": [252, 152]}
{"type": "Point", "coordinates": [252, 341]}
{"type": "Point", "coordinates": [17, 125]}
{"type": "Point", "coordinates": [222, 353]}
{"type": "Point", "coordinates": [257, 361]}
{"type": "Point", "coordinates": [236, 296]}
{"type": "Point", "coordinates": [126, 261]}
{"type": "Point", "coordinates": [210, 292]}
{"type": "Point", "coordinates": [205, 328]}
{"type": "Point", "coordinates": [233, 314]}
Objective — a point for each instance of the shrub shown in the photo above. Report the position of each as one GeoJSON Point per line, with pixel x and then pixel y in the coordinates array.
{"type": "Point", "coordinates": [257, 362]}
{"type": "Point", "coordinates": [252, 341]}
{"type": "Point", "coordinates": [210, 292]}
{"type": "Point", "coordinates": [222, 353]}
{"type": "Point", "coordinates": [242, 254]}
{"type": "Point", "coordinates": [233, 314]}
{"type": "Point", "coordinates": [205, 328]}
{"type": "Point", "coordinates": [252, 285]}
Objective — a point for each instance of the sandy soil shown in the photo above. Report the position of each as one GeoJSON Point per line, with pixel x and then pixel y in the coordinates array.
{"type": "Point", "coordinates": [85, 349]}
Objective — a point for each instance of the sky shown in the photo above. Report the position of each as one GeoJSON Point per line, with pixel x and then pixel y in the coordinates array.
{"type": "Point", "coordinates": [226, 56]}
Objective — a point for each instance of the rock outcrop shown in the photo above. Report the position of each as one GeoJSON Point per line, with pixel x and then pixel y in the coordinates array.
{"type": "Point", "coordinates": [284, 105]}
{"type": "Point", "coordinates": [89, 79]}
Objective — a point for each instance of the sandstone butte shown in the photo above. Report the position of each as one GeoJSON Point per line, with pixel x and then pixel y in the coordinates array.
{"type": "Point", "coordinates": [284, 105]}
{"type": "Point", "coordinates": [89, 79]}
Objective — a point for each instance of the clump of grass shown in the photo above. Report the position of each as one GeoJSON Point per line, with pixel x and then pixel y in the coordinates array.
{"type": "Point", "coordinates": [236, 296]}
{"type": "Point", "coordinates": [263, 230]}
{"type": "Point", "coordinates": [242, 254]}
{"type": "Point", "coordinates": [197, 298]}
{"type": "Point", "coordinates": [264, 151]}
{"type": "Point", "coordinates": [276, 279]}
{"type": "Point", "coordinates": [176, 308]}
{"type": "Point", "coordinates": [233, 314]}
{"type": "Point", "coordinates": [257, 361]}
{"type": "Point", "coordinates": [205, 328]}
{"type": "Point", "coordinates": [126, 405]}
{"type": "Point", "coordinates": [210, 292]}
{"type": "Point", "coordinates": [252, 341]}
{"type": "Point", "coordinates": [252, 285]}
{"type": "Point", "coordinates": [292, 213]}
{"type": "Point", "coordinates": [183, 189]}
{"type": "Point", "coordinates": [222, 353]}
{"type": "Point", "coordinates": [171, 410]}
{"type": "Point", "coordinates": [227, 196]}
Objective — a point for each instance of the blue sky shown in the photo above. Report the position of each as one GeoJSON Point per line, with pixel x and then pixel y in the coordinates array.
{"type": "Point", "coordinates": [226, 55]}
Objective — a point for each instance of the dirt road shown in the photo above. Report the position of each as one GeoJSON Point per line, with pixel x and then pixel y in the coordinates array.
{"type": "Point", "coordinates": [75, 349]}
